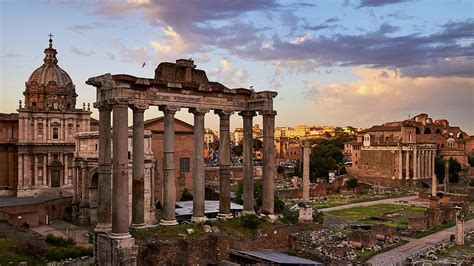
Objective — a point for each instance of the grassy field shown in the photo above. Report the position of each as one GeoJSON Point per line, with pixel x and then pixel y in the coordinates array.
{"type": "Point", "coordinates": [333, 200]}
{"type": "Point", "coordinates": [367, 214]}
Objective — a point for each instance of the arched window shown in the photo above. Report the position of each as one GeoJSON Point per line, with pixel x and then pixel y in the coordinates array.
{"type": "Point", "coordinates": [438, 131]}
{"type": "Point", "coordinates": [427, 130]}
{"type": "Point", "coordinates": [418, 130]}
{"type": "Point", "coordinates": [460, 135]}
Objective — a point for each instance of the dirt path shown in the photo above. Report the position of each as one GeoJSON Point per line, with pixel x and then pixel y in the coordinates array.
{"type": "Point", "coordinates": [397, 256]}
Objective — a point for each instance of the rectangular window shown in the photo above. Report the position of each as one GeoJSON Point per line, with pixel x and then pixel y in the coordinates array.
{"type": "Point", "coordinates": [184, 165]}
{"type": "Point", "coordinates": [55, 133]}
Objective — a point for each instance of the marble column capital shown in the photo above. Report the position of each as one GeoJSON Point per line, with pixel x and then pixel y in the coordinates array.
{"type": "Point", "coordinates": [223, 114]}
{"type": "Point", "coordinates": [198, 111]}
{"type": "Point", "coordinates": [247, 114]}
{"type": "Point", "coordinates": [268, 113]}
{"type": "Point", "coordinates": [101, 106]}
{"type": "Point", "coordinates": [118, 103]}
{"type": "Point", "coordinates": [169, 109]}
{"type": "Point", "coordinates": [138, 107]}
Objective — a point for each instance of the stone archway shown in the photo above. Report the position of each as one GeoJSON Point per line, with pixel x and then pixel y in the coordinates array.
{"type": "Point", "coordinates": [427, 131]}
{"type": "Point", "coordinates": [55, 169]}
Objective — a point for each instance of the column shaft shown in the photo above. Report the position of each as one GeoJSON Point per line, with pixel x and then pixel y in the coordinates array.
{"type": "Point", "coordinates": [169, 178]}
{"type": "Point", "coordinates": [36, 178]}
{"type": "Point", "coordinates": [104, 206]}
{"type": "Point", "coordinates": [407, 165]}
{"type": "Point", "coordinates": [400, 164]}
{"type": "Point", "coordinates": [433, 158]}
{"type": "Point", "coordinates": [306, 153]}
{"type": "Point", "coordinates": [138, 171]}
{"type": "Point", "coordinates": [120, 197]}
{"type": "Point", "coordinates": [268, 194]}
{"type": "Point", "coordinates": [66, 169]}
{"type": "Point", "coordinates": [45, 167]}
{"type": "Point", "coordinates": [415, 164]}
{"type": "Point", "coordinates": [249, 201]}
{"type": "Point", "coordinates": [21, 176]}
{"type": "Point", "coordinates": [224, 167]}
{"type": "Point", "coordinates": [198, 166]}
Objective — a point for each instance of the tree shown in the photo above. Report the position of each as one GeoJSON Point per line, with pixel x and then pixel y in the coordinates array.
{"type": "Point", "coordinates": [279, 205]}
{"type": "Point", "coordinates": [185, 195]}
{"type": "Point", "coordinates": [257, 144]}
{"type": "Point", "coordinates": [238, 150]}
{"type": "Point", "coordinates": [454, 169]}
{"type": "Point", "coordinates": [440, 166]}
{"type": "Point", "coordinates": [297, 171]}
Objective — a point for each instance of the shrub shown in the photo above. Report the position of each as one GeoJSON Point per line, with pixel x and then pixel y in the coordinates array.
{"type": "Point", "coordinates": [318, 217]}
{"type": "Point", "coordinates": [352, 182]}
{"type": "Point", "coordinates": [250, 221]}
{"type": "Point", "coordinates": [290, 217]}
{"type": "Point", "coordinates": [279, 205]}
{"type": "Point", "coordinates": [185, 196]}
{"type": "Point", "coordinates": [59, 241]}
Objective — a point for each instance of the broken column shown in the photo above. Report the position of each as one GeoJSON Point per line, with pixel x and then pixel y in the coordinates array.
{"type": "Point", "coordinates": [459, 226]}
{"type": "Point", "coordinates": [306, 210]}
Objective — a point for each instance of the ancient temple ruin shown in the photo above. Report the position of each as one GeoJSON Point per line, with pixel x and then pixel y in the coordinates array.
{"type": "Point", "coordinates": [175, 86]}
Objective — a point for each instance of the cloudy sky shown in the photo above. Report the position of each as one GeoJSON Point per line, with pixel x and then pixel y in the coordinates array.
{"type": "Point", "coordinates": [352, 62]}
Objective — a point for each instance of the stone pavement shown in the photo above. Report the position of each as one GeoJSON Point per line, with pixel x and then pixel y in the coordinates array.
{"type": "Point", "coordinates": [397, 256]}
{"type": "Point", "coordinates": [403, 200]}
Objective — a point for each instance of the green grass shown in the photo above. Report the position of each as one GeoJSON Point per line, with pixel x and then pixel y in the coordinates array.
{"type": "Point", "coordinates": [365, 212]}
{"type": "Point", "coordinates": [232, 226]}
{"type": "Point", "coordinates": [8, 255]}
{"type": "Point", "coordinates": [333, 200]}
{"type": "Point", "coordinates": [434, 229]}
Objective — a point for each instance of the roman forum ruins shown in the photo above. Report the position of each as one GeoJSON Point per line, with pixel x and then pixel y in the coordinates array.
{"type": "Point", "coordinates": [175, 86]}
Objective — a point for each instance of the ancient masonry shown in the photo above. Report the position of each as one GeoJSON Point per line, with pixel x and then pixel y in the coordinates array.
{"type": "Point", "coordinates": [175, 86]}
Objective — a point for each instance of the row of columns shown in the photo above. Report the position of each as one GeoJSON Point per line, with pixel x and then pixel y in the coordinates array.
{"type": "Point", "coordinates": [421, 162]}
{"type": "Point", "coordinates": [113, 209]}
{"type": "Point", "coordinates": [29, 170]}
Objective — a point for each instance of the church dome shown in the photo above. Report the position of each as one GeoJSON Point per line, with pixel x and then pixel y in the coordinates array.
{"type": "Point", "coordinates": [49, 86]}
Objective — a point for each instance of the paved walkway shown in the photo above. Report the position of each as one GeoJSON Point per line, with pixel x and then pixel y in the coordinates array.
{"type": "Point", "coordinates": [397, 256]}
{"type": "Point", "coordinates": [403, 201]}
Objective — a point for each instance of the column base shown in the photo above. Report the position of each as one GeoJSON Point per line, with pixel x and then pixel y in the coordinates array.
{"type": "Point", "coordinates": [198, 219]}
{"type": "Point", "coordinates": [225, 216]}
{"type": "Point", "coordinates": [103, 228]}
{"type": "Point", "coordinates": [168, 222]}
{"type": "Point", "coordinates": [400, 177]}
{"type": "Point", "coordinates": [138, 226]}
{"type": "Point", "coordinates": [116, 249]}
{"type": "Point", "coordinates": [305, 214]}
{"type": "Point", "coordinates": [248, 212]}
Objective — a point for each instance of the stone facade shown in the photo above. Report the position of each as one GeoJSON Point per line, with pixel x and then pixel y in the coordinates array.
{"type": "Point", "coordinates": [405, 150]}
{"type": "Point", "coordinates": [43, 132]}
{"type": "Point", "coordinates": [85, 174]}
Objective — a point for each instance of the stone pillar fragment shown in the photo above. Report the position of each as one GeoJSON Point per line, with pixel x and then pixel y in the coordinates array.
{"type": "Point", "coordinates": [169, 179]}
{"type": "Point", "coordinates": [400, 163]}
{"type": "Point", "coordinates": [306, 154]}
{"type": "Point", "coordinates": [248, 197]}
{"type": "Point", "coordinates": [104, 208]}
{"type": "Point", "coordinates": [224, 164]}
{"type": "Point", "coordinates": [120, 197]}
{"type": "Point", "coordinates": [198, 166]}
{"type": "Point", "coordinates": [138, 170]}
{"type": "Point", "coordinates": [459, 227]}
{"type": "Point", "coordinates": [268, 177]}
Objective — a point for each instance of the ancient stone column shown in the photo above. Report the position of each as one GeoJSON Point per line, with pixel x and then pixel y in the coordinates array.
{"type": "Point", "coordinates": [248, 197]}
{"type": "Point", "coordinates": [120, 197]}
{"type": "Point", "coordinates": [407, 164]}
{"type": "Point", "coordinates": [459, 227]}
{"type": "Point", "coordinates": [36, 170]}
{"type": "Point", "coordinates": [433, 158]}
{"type": "Point", "coordinates": [45, 167]}
{"type": "Point", "coordinates": [66, 169]}
{"type": "Point", "coordinates": [306, 153]}
{"type": "Point", "coordinates": [104, 197]}
{"type": "Point", "coordinates": [422, 164]}
{"type": "Point", "coordinates": [169, 179]}
{"type": "Point", "coordinates": [74, 183]}
{"type": "Point", "coordinates": [27, 170]}
{"type": "Point", "coordinates": [138, 170]}
{"type": "Point", "coordinates": [21, 176]}
{"type": "Point", "coordinates": [224, 164]}
{"type": "Point", "coordinates": [84, 217]}
{"type": "Point", "coordinates": [268, 177]}
{"type": "Point", "coordinates": [415, 164]}
{"type": "Point", "coordinates": [400, 164]}
{"type": "Point", "coordinates": [198, 166]}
